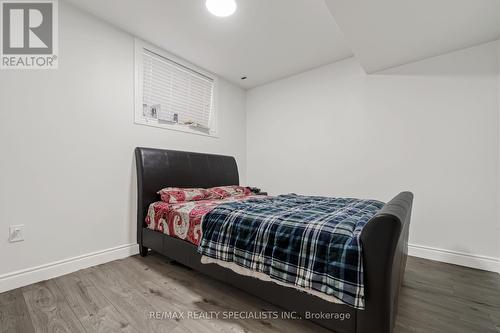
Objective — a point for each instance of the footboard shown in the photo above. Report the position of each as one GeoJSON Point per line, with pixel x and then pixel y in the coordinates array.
{"type": "Point", "coordinates": [385, 249]}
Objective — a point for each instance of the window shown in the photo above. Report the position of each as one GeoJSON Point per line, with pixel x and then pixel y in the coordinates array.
{"type": "Point", "coordinates": [173, 94]}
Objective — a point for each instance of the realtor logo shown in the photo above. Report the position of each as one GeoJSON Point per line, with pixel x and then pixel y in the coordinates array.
{"type": "Point", "coordinates": [29, 34]}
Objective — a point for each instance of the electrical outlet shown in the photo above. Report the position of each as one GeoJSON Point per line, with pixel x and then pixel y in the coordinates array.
{"type": "Point", "coordinates": [16, 233]}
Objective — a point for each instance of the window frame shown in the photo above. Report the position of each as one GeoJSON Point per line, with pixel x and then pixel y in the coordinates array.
{"type": "Point", "coordinates": [138, 92]}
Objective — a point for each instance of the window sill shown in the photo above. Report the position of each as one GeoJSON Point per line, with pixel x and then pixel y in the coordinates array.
{"type": "Point", "coordinates": [174, 127]}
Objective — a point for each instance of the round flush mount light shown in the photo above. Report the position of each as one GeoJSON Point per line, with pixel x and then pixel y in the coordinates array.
{"type": "Point", "coordinates": [221, 8]}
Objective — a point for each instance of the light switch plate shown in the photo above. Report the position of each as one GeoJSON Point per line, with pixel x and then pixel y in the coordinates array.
{"type": "Point", "coordinates": [16, 233]}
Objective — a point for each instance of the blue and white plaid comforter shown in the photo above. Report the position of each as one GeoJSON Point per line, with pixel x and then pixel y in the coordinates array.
{"type": "Point", "coordinates": [309, 242]}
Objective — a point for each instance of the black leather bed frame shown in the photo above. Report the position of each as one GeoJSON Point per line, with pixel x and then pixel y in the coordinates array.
{"type": "Point", "coordinates": [384, 240]}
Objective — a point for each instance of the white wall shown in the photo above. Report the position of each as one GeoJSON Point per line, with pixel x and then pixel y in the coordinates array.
{"type": "Point", "coordinates": [67, 138]}
{"type": "Point", "coordinates": [430, 127]}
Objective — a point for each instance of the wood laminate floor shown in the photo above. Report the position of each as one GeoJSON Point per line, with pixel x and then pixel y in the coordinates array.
{"type": "Point", "coordinates": [119, 297]}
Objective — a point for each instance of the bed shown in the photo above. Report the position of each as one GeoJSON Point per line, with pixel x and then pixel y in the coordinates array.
{"type": "Point", "coordinates": [383, 239]}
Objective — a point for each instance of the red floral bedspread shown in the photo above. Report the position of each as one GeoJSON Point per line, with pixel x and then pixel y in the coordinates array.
{"type": "Point", "coordinates": [183, 219]}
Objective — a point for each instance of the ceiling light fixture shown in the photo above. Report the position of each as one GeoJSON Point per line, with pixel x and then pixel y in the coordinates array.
{"type": "Point", "coordinates": [221, 8]}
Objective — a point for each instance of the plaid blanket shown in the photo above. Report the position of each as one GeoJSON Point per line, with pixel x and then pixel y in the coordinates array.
{"type": "Point", "coordinates": [311, 243]}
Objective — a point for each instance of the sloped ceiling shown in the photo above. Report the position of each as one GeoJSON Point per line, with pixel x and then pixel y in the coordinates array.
{"type": "Point", "coordinates": [386, 33]}
{"type": "Point", "coordinates": [270, 39]}
{"type": "Point", "coordinates": [264, 40]}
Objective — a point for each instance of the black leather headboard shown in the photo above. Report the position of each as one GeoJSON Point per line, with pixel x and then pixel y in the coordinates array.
{"type": "Point", "coordinates": [158, 168]}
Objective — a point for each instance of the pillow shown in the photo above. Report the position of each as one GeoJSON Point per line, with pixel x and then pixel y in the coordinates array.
{"type": "Point", "coordinates": [222, 192]}
{"type": "Point", "coordinates": [176, 194]}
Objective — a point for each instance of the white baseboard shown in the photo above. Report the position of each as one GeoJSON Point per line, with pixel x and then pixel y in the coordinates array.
{"type": "Point", "coordinates": [454, 257]}
{"type": "Point", "coordinates": [28, 276]}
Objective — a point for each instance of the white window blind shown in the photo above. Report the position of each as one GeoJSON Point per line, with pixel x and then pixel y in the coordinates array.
{"type": "Point", "coordinates": [174, 93]}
